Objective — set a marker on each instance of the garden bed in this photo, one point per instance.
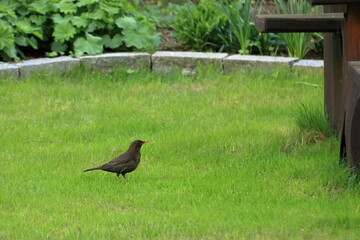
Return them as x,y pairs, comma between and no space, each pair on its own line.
89,28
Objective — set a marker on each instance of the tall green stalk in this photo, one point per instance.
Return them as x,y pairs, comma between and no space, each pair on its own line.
297,43
241,17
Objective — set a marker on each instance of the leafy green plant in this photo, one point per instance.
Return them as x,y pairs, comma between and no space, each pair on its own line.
22,26
298,44
241,16
136,34
223,26
160,16
267,44
90,26
195,25
72,26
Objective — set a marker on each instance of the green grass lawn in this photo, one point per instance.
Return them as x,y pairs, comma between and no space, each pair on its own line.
226,158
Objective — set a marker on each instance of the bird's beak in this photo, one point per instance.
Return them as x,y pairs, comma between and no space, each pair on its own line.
145,142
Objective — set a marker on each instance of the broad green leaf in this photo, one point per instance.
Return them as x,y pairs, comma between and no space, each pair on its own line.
38,32
79,21
97,14
127,7
136,34
108,8
40,6
9,10
63,32
126,23
90,45
22,12
11,52
156,40
141,19
33,42
95,25
52,54
57,18
27,28
85,2
132,39
114,42
66,6
21,41
24,26
58,47
143,29
85,15
37,19
6,37
9,4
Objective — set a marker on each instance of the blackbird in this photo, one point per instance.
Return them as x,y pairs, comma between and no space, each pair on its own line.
126,162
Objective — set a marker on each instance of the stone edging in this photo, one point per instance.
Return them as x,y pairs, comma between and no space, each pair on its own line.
159,61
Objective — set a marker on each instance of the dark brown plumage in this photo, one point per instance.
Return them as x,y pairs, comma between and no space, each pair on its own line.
126,162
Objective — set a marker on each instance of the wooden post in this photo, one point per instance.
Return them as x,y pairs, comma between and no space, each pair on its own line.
333,73
351,87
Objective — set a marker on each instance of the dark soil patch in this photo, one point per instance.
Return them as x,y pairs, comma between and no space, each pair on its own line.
169,42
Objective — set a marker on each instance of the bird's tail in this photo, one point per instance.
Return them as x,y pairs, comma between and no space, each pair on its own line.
91,169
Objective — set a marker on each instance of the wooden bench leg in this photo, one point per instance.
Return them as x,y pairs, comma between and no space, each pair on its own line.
352,117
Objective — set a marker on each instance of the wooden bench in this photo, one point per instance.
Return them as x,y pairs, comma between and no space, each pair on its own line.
340,23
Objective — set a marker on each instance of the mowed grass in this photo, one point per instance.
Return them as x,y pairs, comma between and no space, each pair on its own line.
225,158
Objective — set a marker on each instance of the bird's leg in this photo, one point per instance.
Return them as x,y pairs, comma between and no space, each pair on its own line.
123,174
117,174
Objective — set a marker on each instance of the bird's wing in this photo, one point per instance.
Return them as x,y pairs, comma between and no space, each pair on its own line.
119,163
122,159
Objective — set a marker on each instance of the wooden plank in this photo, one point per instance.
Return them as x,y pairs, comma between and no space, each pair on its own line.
327,2
327,22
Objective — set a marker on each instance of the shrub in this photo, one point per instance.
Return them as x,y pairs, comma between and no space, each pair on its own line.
241,16
197,25
160,16
72,26
22,27
205,27
223,26
267,44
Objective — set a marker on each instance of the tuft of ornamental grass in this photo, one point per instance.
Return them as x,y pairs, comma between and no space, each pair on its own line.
219,164
312,117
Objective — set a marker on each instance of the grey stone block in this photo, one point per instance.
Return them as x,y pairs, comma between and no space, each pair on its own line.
236,62
45,65
187,61
107,62
9,71
309,64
